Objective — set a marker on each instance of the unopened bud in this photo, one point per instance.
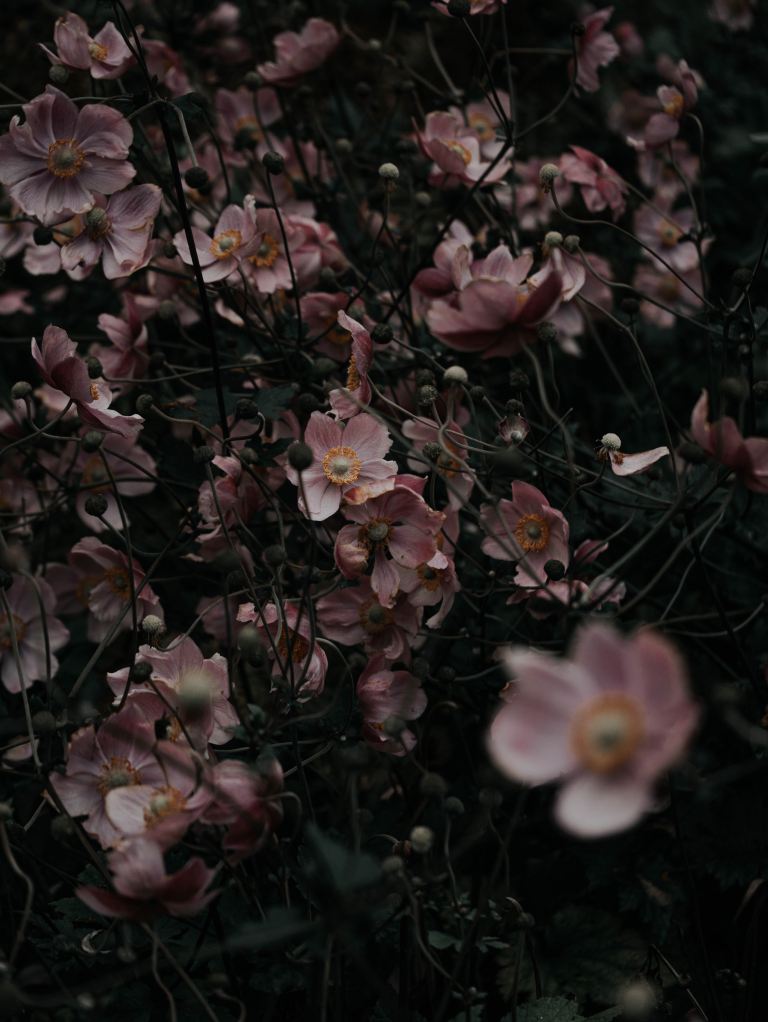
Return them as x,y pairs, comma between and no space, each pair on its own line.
547,176
422,839
96,505
20,390
389,172
456,374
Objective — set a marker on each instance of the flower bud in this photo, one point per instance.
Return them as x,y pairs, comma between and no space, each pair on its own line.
382,333
431,451
96,505
152,626
426,396
571,243
246,409
273,163
94,367
432,786
92,441
453,806
552,239
197,177
422,839
43,722
20,390
392,865
393,726
300,456
389,172
252,80
274,555
169,250
203,455
554,570
144,403
548,174
611,441
42,235
58,74
141,670
546,332
456,374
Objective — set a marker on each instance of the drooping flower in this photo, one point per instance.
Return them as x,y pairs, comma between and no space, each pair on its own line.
596,48
126,357
143,889
297,53
350,400
601,187
60,157
32,606
525,529
623,464
246,802
299,663
384,694
120,753
396,528
723,441
355,615
117,231
675,101
104,55
343,457
606,721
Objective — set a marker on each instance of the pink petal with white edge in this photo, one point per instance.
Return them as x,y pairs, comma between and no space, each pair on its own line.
591,806
632,464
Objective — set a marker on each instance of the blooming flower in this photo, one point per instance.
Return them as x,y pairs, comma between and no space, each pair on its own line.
722,440
396,528
63,370
525,529
57,160
667,232
104,55
596,48
658,285
246,802
600,185
450,464
232,241
242,116
97,577
382,694
118,231
297,658
125,358
675,100
348,401
297,53
606,721
29,623
120,753
456,150
143,889
355,615
343,457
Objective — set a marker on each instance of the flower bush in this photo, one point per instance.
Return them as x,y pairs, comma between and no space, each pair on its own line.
384,454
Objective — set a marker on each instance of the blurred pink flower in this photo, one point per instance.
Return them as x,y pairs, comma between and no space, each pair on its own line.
476,6
675,100
382,694
737,15
343,457
654,281
596,48
629,39
57,160
527,530
606,722
232,242
354,615
104,55
133,470
456,150
242,116
350,400
246,802
32,606
118,231
125,358
451,463
667,232
120,753
288,633
601,187
722,440
143,889
300,52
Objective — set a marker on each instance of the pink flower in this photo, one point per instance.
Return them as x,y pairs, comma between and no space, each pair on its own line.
247,803
126,357
195,687
143,889
737,15
162,810
623,464
527,530
343,457
606,721
629,40
117,231
27,625
356,395
167,65
600,185
299,53
442,278
657,173
57,160
319,310
382,694
495,315
451,464
98,578
654,281
668,233
133,470
397,528
675,100
267,264
427,584
297,658
596,48
104,55
723,441
232,241
354,615
242,116
456,151
119,754
63,370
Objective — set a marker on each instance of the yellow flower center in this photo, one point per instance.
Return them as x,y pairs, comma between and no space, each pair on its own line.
669,287
117,773
431,578
267,252
374,618
341,466
669,234
65,159
7,629
97,223
226,243
606,732
674,106
336,334
164,801
353,376
94,474
298,644
532,533
249,126
117,580
376,532
482,127
459,150
97,51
